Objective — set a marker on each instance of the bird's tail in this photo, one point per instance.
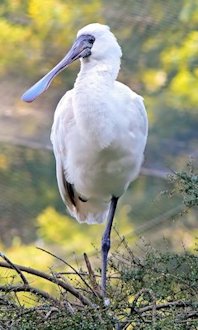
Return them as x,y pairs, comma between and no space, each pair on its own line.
90,211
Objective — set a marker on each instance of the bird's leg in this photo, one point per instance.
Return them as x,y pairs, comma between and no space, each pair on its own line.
106,243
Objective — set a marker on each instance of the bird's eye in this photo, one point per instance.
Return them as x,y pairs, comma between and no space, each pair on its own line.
91,40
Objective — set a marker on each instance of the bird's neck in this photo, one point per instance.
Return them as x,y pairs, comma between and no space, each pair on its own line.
92,102
105,67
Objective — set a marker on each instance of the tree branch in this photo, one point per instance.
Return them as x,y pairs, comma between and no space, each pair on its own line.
2,255
28,288
178,303
66,286
67,264
92,277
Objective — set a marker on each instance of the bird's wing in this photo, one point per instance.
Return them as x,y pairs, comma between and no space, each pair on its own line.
135,111
138,109
63,120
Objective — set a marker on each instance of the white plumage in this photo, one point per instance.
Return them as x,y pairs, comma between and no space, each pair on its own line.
99,131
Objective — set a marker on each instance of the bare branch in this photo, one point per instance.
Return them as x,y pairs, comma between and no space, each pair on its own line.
66,286
92,277
2,255
67,264
50,312
178,303
28,288
183,317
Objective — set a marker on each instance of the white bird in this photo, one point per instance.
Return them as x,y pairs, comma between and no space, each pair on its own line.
99,132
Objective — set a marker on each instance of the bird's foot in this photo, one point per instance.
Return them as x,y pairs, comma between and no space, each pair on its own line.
106,301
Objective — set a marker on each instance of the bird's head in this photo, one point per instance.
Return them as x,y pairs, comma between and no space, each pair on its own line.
95,42
104,44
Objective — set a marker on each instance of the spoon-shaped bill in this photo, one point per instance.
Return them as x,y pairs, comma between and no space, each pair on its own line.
80,48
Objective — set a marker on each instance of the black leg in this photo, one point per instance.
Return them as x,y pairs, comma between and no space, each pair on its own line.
106,243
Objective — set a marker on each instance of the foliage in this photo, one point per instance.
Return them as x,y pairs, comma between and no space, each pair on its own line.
154,292
186,184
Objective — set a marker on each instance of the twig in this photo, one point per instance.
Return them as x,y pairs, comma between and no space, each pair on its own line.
178,303
185,316
92,277
28,288
4,301
67,264
17,299
66,286
86,274
192,288
137,296
136,260
50,312
2,255
153,306
42,308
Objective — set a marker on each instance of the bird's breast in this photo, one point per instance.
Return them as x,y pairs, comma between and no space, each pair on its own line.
94,110
104,154
105,172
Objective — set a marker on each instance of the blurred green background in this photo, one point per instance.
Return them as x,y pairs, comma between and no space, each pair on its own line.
159,40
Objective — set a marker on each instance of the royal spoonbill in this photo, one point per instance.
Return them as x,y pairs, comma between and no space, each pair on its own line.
99,132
